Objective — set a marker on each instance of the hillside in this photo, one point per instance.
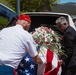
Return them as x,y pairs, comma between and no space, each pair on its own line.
69,8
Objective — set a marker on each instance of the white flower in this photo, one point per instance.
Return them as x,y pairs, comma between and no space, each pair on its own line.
47,38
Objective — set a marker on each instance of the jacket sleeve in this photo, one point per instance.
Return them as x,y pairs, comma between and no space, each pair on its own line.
69,43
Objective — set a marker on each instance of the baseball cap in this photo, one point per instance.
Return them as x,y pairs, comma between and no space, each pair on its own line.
24,17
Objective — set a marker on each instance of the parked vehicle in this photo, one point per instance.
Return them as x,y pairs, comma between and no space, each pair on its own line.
47,19
74,20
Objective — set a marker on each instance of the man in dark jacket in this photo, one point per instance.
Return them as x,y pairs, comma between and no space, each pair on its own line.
69,43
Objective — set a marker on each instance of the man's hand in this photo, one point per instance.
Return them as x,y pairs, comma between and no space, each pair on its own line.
60,61
37,60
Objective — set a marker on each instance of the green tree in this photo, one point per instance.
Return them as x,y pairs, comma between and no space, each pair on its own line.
3,22
34,5
7,4
27,6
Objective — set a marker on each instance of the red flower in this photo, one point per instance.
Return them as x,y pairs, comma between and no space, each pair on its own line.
62,37
53,37
47,42
40,43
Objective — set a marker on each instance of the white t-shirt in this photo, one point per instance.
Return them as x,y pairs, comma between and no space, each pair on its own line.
14,43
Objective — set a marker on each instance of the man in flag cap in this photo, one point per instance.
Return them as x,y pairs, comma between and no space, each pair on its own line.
15,42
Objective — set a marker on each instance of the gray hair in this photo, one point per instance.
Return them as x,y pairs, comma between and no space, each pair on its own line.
61,20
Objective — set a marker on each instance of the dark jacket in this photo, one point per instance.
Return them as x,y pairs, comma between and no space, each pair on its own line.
69,42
